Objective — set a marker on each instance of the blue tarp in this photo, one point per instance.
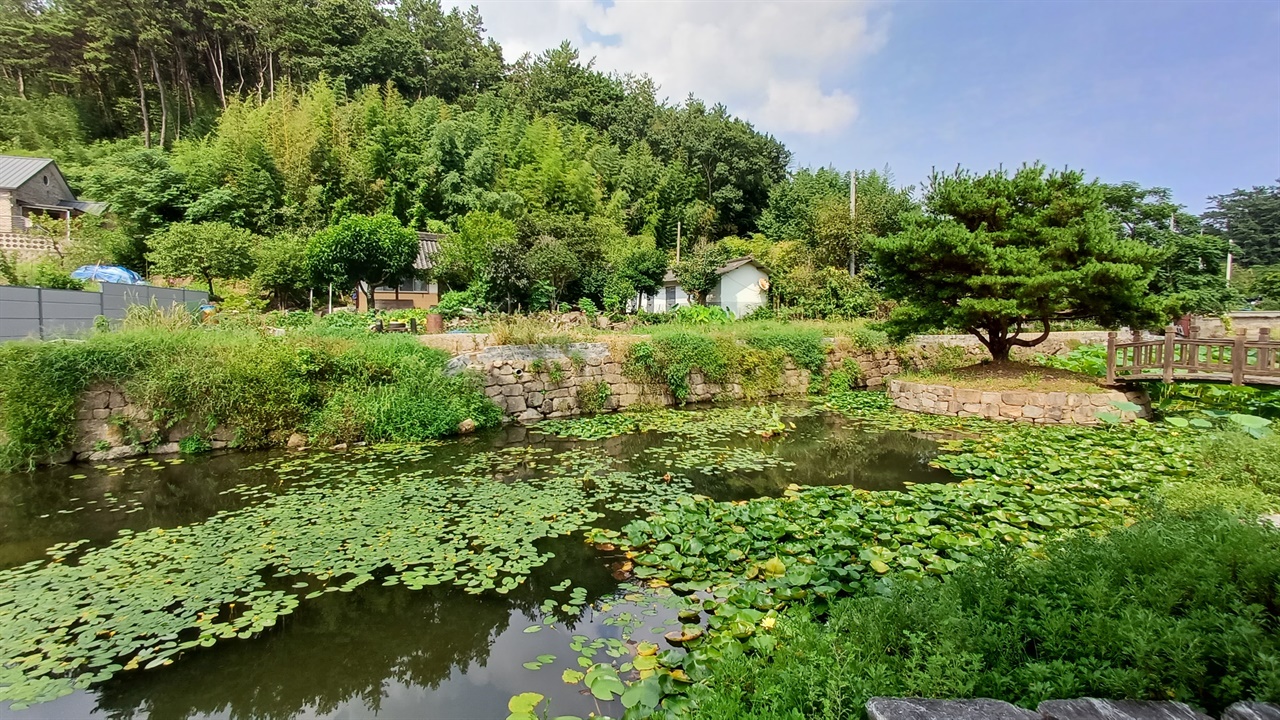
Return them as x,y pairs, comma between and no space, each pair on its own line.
108,273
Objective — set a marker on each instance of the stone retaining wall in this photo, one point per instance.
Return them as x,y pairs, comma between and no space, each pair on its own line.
1055,408
110,426
535,382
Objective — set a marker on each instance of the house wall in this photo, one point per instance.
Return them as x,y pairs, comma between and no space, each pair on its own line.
663,302
739,291
35,192
386,300
6,211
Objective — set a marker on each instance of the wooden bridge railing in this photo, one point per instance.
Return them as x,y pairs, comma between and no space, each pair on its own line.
1238,359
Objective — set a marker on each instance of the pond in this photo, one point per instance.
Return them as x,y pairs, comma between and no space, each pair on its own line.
423,581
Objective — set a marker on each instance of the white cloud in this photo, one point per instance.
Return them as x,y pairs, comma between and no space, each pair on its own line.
776,63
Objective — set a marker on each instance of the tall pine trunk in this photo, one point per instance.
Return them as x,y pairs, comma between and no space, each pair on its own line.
164,103
142,100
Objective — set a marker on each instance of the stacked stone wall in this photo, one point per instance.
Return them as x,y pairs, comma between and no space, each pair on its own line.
110,426
533,382
1051,408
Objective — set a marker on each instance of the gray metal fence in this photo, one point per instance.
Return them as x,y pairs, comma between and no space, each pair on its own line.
43,313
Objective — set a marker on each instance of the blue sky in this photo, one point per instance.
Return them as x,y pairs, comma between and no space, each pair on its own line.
1184,95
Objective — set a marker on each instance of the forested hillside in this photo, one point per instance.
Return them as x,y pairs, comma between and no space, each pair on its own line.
553,180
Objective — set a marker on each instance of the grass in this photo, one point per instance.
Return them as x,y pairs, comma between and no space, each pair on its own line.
1174,608
340,385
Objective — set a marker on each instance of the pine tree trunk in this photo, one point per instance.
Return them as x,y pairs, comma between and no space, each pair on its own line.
164,103
22,86
218,69
142,100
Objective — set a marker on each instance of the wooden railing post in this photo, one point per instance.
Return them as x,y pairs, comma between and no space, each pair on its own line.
1167,360
1193,334
1111,356
1238,353
1266,353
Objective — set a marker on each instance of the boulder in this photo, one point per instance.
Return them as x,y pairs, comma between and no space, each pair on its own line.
466,426
918,709
1252,711
296,441
1094,709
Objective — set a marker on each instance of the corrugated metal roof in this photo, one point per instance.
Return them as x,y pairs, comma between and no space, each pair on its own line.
16,170
428,245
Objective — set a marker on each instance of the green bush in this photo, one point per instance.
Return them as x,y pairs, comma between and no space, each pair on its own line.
671,355
1189,397
262,387
593,396
701,315
804,345
1172,608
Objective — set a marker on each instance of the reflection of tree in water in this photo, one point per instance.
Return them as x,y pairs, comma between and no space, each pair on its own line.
345,647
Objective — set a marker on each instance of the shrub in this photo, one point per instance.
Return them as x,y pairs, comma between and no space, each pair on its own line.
846,377
1171,608
671,355
593,396
454,303
588,307
804,345
701,315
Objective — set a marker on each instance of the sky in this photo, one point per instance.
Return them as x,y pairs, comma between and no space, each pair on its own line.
1184,95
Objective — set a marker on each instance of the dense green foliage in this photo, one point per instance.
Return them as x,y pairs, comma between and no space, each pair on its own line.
1169,609
1190,273
998,254
1250,221
263,388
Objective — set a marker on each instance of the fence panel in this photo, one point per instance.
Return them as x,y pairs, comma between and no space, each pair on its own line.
44,313
19,312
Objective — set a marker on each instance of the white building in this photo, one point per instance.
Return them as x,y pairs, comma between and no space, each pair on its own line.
743,287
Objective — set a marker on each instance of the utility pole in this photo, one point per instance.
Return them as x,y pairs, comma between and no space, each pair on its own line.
1229,258
853,203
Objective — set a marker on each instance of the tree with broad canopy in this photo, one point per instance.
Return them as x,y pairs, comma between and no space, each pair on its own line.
998,255
363,250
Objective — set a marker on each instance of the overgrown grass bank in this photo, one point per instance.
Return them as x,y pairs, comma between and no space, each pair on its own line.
753,355
337,386
1173,608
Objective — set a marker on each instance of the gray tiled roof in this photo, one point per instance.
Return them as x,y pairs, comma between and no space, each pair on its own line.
428,245
16,170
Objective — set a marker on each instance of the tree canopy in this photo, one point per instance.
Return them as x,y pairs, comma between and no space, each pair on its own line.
363,251
1250,219
1000,254
203,250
